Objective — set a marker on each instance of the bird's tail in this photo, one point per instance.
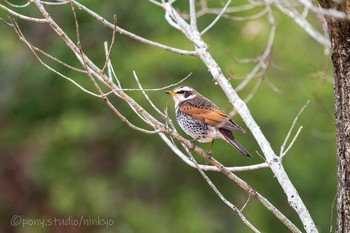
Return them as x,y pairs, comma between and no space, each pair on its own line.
228,136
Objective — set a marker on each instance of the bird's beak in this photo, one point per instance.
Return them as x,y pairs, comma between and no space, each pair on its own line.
170,93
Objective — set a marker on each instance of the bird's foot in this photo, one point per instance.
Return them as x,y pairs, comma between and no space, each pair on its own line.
193,142
208,158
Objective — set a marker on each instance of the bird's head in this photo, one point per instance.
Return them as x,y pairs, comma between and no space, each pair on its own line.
182,93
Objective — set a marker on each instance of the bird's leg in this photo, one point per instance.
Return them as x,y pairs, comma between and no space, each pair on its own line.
193,141
210,153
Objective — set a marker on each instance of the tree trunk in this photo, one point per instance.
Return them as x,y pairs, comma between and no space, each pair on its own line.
339,32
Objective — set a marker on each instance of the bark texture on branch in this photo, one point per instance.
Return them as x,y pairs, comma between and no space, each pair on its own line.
339,33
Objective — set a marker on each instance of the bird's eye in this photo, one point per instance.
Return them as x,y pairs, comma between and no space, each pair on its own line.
180,92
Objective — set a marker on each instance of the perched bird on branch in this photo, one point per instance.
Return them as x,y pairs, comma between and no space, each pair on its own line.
203,120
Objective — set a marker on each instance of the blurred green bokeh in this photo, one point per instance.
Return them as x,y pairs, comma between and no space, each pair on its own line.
66,155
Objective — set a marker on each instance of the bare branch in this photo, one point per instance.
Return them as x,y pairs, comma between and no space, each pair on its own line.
33,49
193,17
333,13
184,158
304,24
18,6
256,195
131,35
264,59
55,59
104,97
24,17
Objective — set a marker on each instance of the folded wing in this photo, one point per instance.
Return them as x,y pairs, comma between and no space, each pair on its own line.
214,117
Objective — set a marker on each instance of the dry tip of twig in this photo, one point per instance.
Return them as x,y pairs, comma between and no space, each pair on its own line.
284,151
246,203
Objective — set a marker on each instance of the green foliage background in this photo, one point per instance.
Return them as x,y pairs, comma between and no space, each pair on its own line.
64,153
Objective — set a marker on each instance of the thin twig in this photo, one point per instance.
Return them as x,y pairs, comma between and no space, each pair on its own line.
184,158
104,97
147,97
57,60
24,17
108,55
234,9
57,3
18,6
246,203
304,24
264,59
108,62
131,35
332,13
159,88
30,46
253,91
193,17
221,196
292,142
332,213
216,18
112,73
283,151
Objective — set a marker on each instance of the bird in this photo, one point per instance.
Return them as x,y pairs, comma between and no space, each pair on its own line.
201,119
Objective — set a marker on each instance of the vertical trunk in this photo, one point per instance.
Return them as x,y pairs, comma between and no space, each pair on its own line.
341,62
339,32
